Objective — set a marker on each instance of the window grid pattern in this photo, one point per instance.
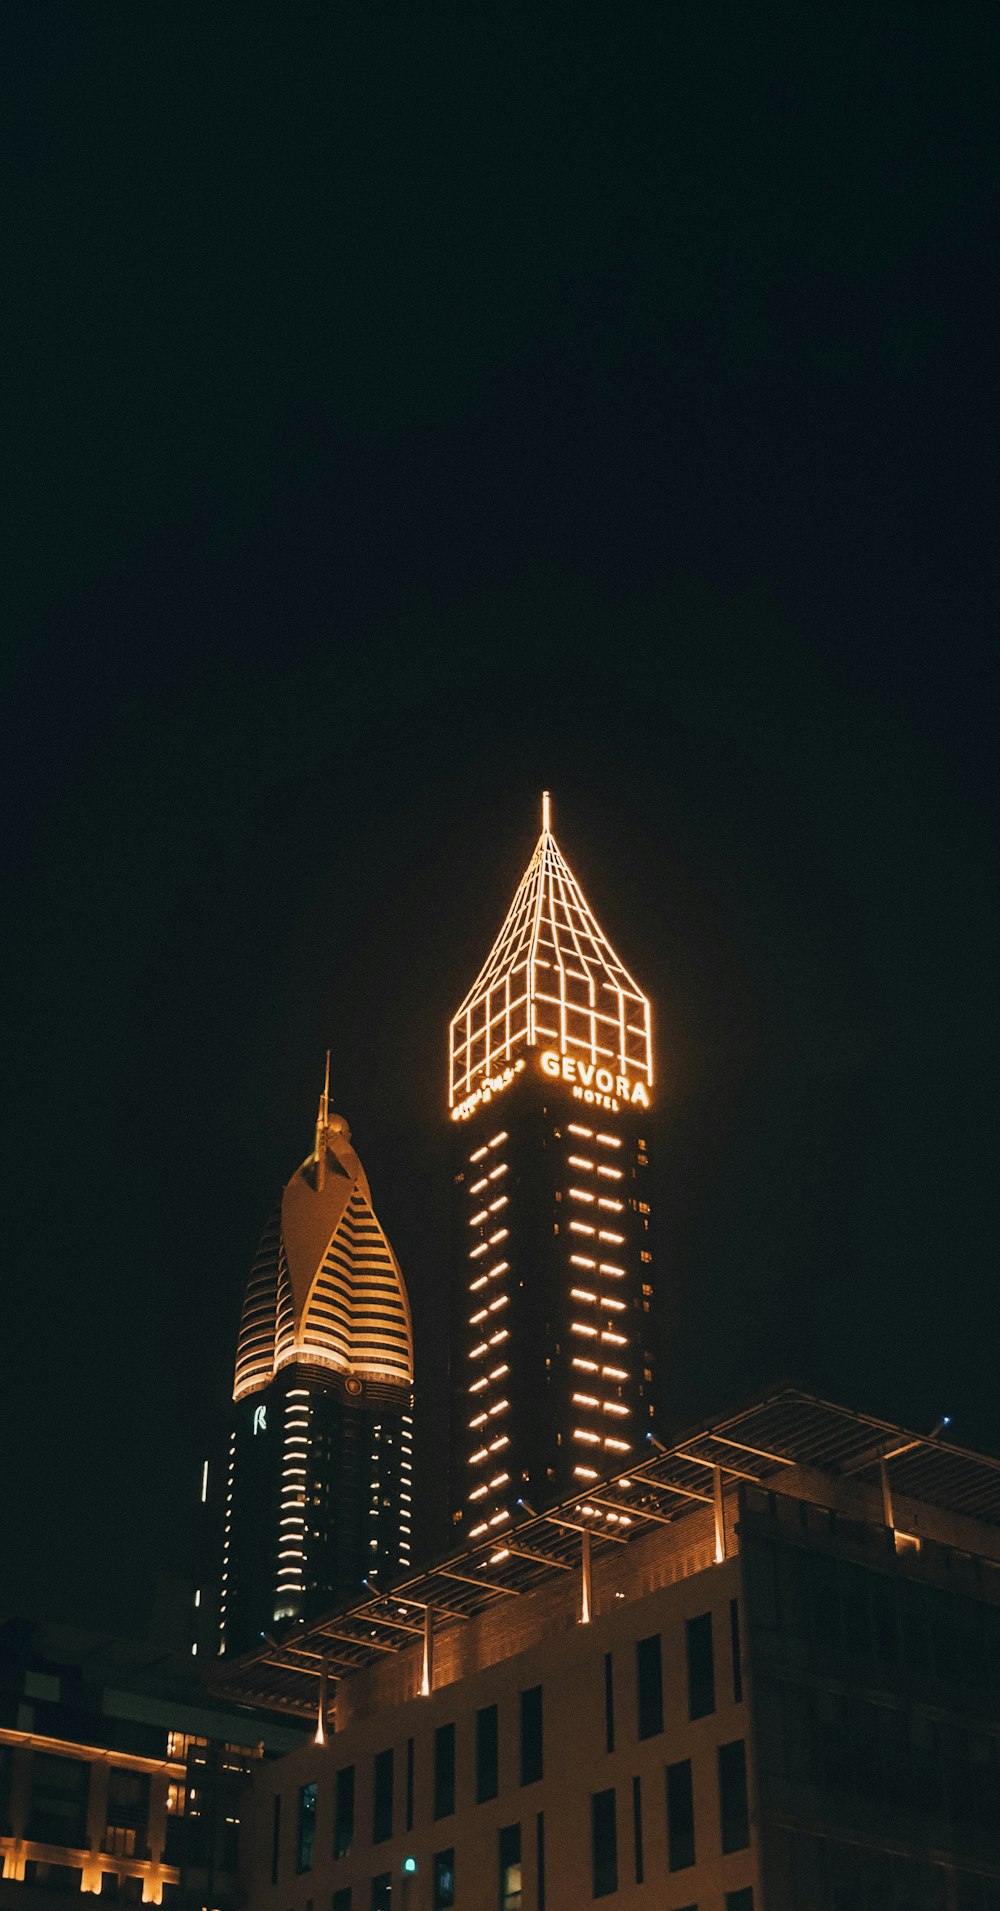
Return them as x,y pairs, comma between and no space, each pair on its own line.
551,977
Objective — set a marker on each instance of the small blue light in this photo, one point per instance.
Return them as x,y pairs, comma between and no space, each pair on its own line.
409,1864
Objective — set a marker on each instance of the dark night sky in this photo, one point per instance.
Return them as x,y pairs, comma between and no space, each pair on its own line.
406,412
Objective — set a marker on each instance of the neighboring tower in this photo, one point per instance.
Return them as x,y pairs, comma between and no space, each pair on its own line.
550,1083
320,1460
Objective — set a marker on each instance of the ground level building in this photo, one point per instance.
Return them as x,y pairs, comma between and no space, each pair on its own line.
762,1669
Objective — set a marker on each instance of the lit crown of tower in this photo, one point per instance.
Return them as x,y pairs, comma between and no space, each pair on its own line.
551,979
325,1287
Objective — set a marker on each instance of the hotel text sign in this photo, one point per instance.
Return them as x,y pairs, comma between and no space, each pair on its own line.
593,1084
598,1086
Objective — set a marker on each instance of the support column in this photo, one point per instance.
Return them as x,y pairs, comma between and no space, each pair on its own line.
324,1676
720,1515
427,1669
883,1474
586,1586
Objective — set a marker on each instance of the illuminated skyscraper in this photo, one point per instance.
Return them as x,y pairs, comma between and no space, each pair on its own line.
320,1460
550,1085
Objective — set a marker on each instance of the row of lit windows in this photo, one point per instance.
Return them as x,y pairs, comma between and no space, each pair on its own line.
603,1234
481,1153
590,1167
602,1200
587,1134
491,1274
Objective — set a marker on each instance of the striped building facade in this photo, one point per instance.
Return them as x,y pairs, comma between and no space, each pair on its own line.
319,1489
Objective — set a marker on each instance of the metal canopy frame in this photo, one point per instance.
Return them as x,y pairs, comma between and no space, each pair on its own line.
756,1442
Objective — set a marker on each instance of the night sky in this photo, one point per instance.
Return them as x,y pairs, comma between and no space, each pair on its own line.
406,412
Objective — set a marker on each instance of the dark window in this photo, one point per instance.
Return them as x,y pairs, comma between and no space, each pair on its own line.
609,1703
680,1816
230,1844
444,1880
341,1900
733,1796
486,1753
531,1735
343,1812
5,1766
307,1827
382,1892
700,1668
649,1681
444,1771
109,1884
734,1634
510,1868
540,1861
58,1800
382,1805
637,1827
128,1810
409,1784
604,1837
740,1900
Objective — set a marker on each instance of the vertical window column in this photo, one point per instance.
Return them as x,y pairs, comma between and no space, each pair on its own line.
604,1843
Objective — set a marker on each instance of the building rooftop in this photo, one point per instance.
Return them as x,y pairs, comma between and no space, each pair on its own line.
772,1435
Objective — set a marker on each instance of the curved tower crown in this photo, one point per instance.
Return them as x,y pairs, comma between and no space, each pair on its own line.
325,1287
553,980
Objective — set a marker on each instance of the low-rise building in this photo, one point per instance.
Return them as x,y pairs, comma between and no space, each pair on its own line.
761,1669
119,1775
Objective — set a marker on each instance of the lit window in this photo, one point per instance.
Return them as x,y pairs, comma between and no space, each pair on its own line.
610,1141
476,1220
478,1493
581,1227
610,1267
585,1400
614,1373
614,1207
615,1406
478,1385
616,1446
481,1249
477,1156
499,1406
497,1446
497,1373
584,1473
580,1161
498,1519
475,1352
502,1301
581,1260
500,1235
590,1439
474,1286
499,1479
476,1318
479,1420
610,1174
581,1294
495,1173
500,1202
476,1459
577,1327
474,1531
582,1194
585,1366
574,1129
617,1307
497,1339
497,1139
605,1234
615,1340
478,1186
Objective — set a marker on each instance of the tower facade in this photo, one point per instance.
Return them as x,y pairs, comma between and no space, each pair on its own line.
320,1459
550,1089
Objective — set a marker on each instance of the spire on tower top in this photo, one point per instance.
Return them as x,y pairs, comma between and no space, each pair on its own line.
326,1088
546,811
